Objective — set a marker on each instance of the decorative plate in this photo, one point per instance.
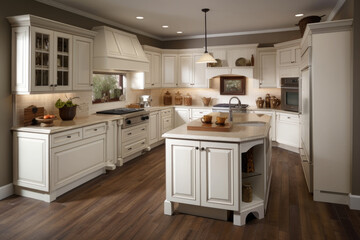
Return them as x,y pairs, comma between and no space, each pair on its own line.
240,62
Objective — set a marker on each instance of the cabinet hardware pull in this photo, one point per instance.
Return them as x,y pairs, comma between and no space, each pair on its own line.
51,85
55,85
129,149
68,136
143,143
202,149
129,133
95,129
143,129
197,148
91,84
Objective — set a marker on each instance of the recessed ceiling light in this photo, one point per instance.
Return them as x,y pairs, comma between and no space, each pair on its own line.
179,32
299,15
165,26
140,17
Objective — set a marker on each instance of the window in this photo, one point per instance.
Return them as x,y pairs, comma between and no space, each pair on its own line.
108,87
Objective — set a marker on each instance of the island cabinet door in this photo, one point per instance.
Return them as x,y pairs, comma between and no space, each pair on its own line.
183,171
220,175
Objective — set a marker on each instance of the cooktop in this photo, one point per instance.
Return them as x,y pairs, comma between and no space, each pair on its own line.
121,111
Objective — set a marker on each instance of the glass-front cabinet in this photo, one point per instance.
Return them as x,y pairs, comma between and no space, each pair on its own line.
52,64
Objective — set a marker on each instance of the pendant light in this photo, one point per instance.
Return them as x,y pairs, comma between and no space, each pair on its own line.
206,58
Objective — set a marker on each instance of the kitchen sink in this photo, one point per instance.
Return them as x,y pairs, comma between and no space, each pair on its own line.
256,124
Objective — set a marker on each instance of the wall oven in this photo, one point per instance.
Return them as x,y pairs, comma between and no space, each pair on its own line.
290,94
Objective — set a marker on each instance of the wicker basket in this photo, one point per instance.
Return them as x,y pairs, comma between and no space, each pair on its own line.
310,19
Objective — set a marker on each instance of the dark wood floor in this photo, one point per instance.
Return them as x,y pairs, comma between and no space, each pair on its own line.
128,204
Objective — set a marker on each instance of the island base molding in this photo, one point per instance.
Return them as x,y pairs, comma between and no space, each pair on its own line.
354,202
49,197
6,191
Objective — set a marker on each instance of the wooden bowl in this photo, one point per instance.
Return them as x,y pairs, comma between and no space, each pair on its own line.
45,122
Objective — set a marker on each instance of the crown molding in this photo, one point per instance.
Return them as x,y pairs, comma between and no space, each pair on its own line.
335,10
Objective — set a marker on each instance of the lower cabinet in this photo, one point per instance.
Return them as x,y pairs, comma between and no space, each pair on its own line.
182,116
272,123
48,165
214,184
154,127
166,122
288,129
134,140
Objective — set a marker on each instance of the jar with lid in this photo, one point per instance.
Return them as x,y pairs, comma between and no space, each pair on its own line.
188,100
167,98
267,100
246,192
178,99
260,102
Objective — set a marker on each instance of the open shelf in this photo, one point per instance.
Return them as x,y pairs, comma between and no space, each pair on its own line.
255,203
248,175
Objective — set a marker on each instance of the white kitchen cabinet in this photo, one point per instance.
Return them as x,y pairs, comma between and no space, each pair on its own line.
288,129
46,56
166,116
169,70
48,165
83,62
134,140
153,77
266,67
200,80
182,116
202,173
288,60
186,71
199,112
154,127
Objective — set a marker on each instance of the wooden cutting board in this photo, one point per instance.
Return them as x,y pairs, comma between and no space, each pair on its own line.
199,126
32,112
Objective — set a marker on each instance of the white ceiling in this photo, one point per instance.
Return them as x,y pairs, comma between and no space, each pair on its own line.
224,17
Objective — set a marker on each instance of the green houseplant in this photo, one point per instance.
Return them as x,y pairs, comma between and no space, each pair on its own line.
67,109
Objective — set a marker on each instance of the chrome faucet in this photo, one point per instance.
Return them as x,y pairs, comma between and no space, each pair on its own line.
230,109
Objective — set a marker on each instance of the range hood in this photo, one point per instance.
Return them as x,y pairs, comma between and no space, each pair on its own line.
118,51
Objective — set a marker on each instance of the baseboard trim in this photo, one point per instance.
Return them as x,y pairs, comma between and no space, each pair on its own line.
331,197
286,147
6,191
354,202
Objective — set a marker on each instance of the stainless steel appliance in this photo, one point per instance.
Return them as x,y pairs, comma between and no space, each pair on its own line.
224,107
290,94
134,116
145,101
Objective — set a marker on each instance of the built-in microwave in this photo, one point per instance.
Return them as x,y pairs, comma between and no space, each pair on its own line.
290,94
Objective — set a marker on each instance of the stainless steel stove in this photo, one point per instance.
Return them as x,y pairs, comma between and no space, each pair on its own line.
133,116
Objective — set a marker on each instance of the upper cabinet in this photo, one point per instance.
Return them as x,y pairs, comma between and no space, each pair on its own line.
192,74
266,67
169,70
46,56
153,77
288,59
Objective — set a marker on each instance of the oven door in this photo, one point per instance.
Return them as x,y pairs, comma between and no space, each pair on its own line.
290,99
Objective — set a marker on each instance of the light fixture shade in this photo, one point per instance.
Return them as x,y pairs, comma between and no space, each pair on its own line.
206,58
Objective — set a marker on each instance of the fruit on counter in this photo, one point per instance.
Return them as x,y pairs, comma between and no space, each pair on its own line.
49,116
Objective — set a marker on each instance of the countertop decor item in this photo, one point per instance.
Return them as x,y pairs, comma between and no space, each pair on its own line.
188,100
206,58
178,98
46,122
260,102
31,113
274,102
67,110
240,62
232,85
167,98
246,192
206,101
267,100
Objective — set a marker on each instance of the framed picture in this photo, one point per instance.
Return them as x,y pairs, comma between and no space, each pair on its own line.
232,85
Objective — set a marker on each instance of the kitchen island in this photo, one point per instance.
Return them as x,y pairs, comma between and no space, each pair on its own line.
208,169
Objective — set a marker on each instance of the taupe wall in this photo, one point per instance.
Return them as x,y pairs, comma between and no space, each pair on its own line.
264,40
356,107
346,11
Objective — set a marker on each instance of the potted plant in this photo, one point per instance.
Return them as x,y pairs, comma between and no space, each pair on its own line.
67,110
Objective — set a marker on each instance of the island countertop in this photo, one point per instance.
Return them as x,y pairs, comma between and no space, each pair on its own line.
245,127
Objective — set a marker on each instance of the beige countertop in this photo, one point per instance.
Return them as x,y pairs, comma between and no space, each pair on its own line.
245,127
60,125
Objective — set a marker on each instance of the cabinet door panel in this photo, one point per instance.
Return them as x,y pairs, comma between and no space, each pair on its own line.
156,70
154,127
183,171
182,116
268,70
219,169
63,61
185,70
200,80
148,78
82,71
169,70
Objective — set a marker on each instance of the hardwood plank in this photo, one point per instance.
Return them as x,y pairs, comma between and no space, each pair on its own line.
127,203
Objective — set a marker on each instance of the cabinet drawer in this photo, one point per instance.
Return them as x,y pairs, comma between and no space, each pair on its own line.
289,72
198,113
166,112
166,124
134,132
288,118
62,138
94,130
133,147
